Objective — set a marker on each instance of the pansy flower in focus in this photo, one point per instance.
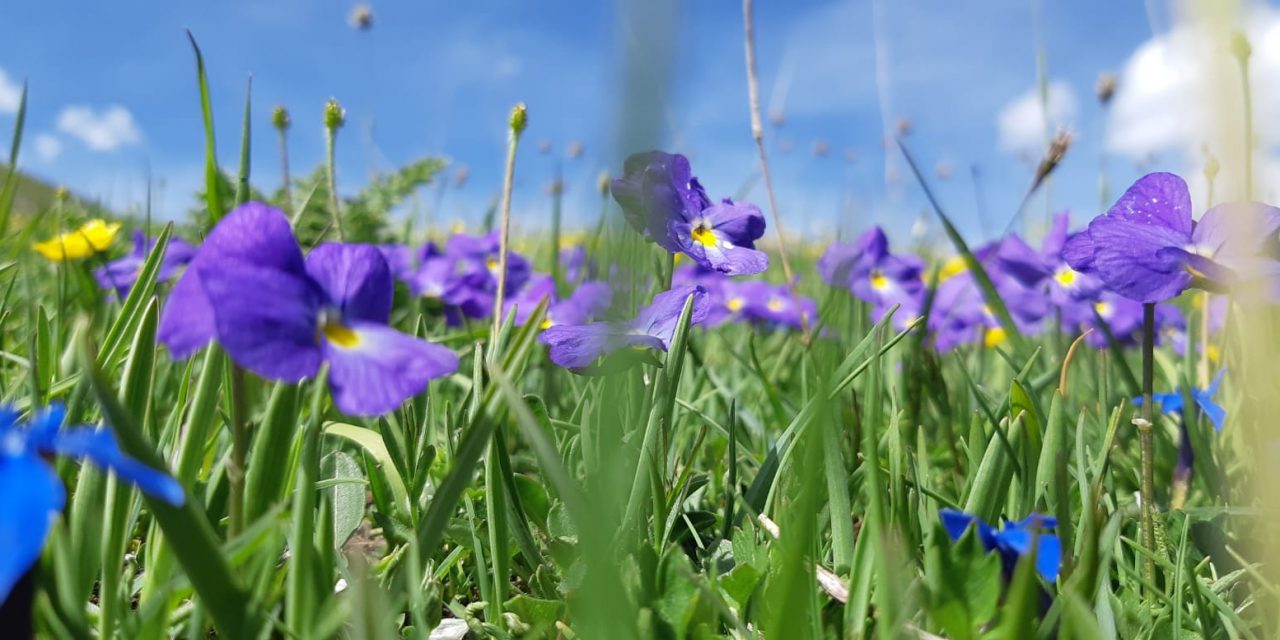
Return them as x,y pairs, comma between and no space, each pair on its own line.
120,274
92,237
577,347
661,199
1014,541
31,493
1148,248
281,316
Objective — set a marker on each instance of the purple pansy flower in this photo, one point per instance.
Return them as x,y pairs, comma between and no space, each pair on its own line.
869,270
120,274
661,199
576,347
587,301
772,304
31,493
1147,247
281,316
1047,267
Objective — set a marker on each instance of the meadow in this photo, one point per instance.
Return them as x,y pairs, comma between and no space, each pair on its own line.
298,415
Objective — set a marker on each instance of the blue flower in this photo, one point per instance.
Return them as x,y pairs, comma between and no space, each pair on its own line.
1172,402
1014,541
32,495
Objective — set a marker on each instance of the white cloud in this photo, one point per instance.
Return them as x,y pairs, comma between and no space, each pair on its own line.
1024,122
10,94
1181,89
47,147
100,131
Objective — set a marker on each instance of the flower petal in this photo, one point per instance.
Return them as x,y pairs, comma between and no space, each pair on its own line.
99,447
186,321
31,495
575,347
383,368
267,319
1156,200
356,278
740,223
1127,257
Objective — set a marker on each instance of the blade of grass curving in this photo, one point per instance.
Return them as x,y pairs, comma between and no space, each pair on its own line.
242,181
371,442
188,531
980,275
212,179
140,294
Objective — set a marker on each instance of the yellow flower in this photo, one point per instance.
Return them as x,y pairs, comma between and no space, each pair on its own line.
92,237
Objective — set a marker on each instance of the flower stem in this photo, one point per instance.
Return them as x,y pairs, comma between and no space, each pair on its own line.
1146,442
1241,49
757,133
239,451
329,137
519,118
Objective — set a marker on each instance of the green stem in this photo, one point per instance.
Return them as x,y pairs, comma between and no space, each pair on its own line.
557,194
513,142
330,136
1146,442
285,182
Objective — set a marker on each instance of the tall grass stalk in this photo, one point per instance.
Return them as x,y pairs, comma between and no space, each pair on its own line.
515,126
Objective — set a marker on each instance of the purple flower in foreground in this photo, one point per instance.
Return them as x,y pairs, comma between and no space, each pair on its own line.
577,347
1147,248
31,493
121,273
281,316
661,199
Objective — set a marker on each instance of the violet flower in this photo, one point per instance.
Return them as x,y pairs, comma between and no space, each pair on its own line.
31,493
576,347
661,199
281,316
121,273
869,270
1147,247
1047,267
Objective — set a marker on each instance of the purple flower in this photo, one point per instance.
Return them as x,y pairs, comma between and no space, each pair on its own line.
661,199
281,316
586,302
1047,267
576,347
31,493
576,264
1147,248
400,259
771,304
868,269
120,274
657,187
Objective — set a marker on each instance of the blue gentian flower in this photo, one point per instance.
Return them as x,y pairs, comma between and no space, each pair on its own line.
280,315
31,493
1172,402
576,347
1014,541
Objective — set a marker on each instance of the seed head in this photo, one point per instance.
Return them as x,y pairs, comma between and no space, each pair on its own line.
519,118
1106,88
280,118
334,115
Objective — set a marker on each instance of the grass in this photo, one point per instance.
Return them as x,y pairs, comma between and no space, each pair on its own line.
694,497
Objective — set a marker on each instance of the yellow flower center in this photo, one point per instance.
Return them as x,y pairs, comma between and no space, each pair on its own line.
546,324
1104,309
1066,276
492,264
878,281
775,305
704,235
1214,353
951,268
995,336
94,236
340,334
734,304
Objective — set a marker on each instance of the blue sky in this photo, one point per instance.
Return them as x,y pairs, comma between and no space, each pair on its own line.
113,94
